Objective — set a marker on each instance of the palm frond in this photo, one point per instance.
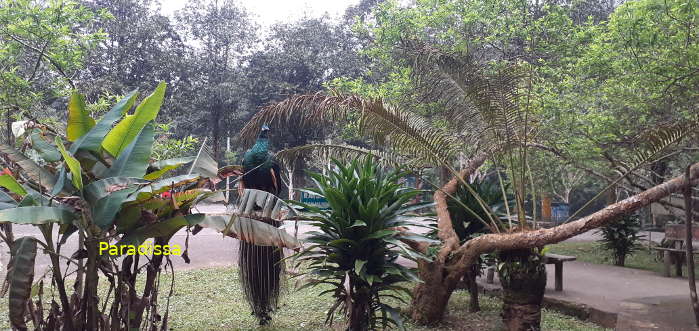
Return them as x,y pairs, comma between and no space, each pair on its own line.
653,142
309,109
204,164
474,97
341,152
403,132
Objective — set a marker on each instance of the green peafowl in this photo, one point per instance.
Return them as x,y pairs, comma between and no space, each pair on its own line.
261,266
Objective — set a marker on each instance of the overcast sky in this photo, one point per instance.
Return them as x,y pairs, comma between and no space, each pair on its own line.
267,12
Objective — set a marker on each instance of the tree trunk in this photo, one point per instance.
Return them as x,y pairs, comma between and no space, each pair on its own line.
90,300
620,260
430,297
359,307
689,210
523,279
470,278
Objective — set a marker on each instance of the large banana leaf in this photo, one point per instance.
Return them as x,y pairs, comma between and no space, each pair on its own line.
92,140
72,163
263,204
104,187
33,170
133,161
105,209
128,128
166,228
47,151
12,185
262,234
257,205
163,185
216,222
20,277
36,215
79,120
204,165
250,230
166,165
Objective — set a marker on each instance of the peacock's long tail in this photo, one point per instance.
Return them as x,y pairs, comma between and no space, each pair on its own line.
261,277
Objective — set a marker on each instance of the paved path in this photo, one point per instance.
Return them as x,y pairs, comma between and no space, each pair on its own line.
625,298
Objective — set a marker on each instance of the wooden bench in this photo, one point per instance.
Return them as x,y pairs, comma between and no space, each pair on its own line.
676,235
555,259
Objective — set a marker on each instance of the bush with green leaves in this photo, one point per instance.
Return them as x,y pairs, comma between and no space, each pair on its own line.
621,238
101,187
360,238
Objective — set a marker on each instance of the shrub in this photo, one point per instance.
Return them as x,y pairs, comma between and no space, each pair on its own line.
359,241
621,238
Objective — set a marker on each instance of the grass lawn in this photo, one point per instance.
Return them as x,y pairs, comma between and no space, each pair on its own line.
211,299
592,252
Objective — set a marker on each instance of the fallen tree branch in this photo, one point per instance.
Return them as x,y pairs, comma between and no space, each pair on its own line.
472,249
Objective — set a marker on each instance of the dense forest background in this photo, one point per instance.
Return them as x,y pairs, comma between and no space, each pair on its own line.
607,72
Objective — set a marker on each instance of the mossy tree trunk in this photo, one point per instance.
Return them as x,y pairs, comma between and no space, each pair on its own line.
453,260
523,279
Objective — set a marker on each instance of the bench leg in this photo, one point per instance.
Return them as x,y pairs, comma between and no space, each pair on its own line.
559,276
667,262
489,274
678,264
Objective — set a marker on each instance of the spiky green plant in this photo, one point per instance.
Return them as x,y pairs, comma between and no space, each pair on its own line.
621,238
359,241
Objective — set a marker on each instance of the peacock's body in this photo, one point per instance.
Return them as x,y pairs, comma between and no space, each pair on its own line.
260,266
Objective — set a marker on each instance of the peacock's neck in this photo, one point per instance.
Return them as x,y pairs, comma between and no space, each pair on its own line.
262,144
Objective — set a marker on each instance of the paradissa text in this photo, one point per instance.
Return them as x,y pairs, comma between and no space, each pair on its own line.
143,249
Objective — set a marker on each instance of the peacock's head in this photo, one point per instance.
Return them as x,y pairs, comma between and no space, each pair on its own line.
264,130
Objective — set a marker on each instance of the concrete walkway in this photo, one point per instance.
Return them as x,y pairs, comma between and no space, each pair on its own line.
618,297
605,291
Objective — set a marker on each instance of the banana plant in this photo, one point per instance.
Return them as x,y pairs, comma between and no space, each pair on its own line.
98,185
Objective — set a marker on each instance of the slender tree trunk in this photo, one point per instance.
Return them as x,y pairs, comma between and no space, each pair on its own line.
216,128
523,279
470,278
620,260
149,289
9,137
689,210
90,300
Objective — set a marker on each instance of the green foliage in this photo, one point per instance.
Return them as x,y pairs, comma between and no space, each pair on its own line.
621,238
356,248
114,196
41,49
467,216
167,146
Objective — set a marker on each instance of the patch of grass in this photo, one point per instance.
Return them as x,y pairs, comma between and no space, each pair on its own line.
211,299
593,252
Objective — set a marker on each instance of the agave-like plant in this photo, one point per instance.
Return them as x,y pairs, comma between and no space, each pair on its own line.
360,237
